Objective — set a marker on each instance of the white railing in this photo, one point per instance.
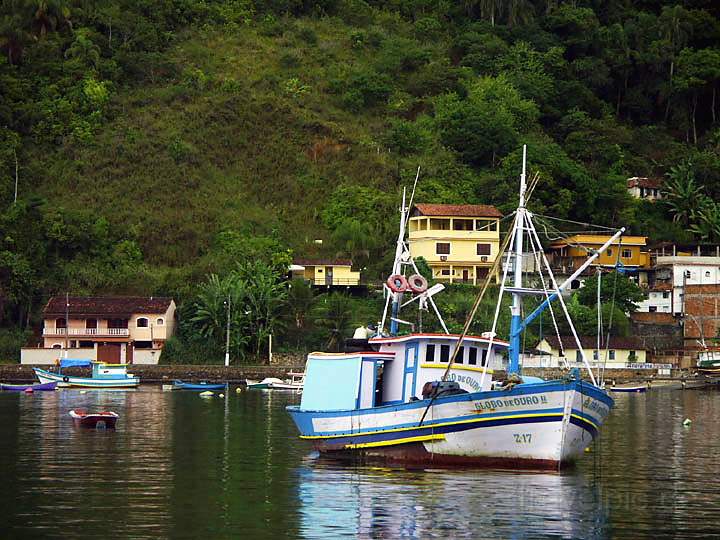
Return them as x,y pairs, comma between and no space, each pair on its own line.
86,332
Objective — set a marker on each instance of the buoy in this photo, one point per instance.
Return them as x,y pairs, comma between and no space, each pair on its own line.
587,449
207,393
28,390
221,395
83,391
687,422
238,390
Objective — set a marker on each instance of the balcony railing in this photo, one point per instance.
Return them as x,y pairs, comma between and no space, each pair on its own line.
122,332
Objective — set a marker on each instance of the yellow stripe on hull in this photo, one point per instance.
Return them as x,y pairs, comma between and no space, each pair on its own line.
421,438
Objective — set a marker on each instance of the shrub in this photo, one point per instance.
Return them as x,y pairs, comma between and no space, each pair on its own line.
11,341
307,35
289,60
406,137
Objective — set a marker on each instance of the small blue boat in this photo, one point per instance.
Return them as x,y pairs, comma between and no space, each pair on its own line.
201,386
24,387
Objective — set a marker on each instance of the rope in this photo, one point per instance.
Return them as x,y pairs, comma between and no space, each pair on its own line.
612,310
471,315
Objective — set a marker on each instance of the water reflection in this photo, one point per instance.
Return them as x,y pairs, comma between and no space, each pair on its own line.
388,503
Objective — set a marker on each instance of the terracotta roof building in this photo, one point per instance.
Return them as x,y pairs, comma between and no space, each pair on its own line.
645,188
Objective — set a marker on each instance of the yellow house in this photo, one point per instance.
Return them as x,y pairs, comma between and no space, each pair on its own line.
620,353
570,253
459,242
326,272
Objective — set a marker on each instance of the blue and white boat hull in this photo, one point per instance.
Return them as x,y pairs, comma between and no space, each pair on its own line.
85,382
540,425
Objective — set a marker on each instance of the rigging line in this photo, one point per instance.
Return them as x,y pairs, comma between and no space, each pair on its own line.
469,319
602,227
547,297
612,307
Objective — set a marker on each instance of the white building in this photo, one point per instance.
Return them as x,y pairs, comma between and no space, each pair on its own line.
644,188
672,274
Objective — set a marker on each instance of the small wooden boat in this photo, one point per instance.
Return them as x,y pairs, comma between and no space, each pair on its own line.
105,419
201,386
633,388
25,387
295,382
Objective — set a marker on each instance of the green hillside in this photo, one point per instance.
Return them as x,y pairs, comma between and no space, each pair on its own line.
155,142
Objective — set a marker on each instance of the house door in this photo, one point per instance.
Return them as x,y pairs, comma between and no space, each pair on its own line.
109,353
328,275
410,370
466,276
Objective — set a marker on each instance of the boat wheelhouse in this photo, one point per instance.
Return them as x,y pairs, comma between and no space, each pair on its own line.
103,375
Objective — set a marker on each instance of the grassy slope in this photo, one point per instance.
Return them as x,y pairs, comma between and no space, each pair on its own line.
180,164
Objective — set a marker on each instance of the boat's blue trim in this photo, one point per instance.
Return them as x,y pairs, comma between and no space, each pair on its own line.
520,390
584,424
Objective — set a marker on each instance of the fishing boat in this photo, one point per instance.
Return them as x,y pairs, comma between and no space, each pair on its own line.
295,381
105,419
103,375
708,361
635,388
28,387
430,399
201,386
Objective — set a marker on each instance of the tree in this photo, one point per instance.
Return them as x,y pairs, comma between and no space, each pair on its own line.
84,50
333,313
706,220
354,238
616,288
681,192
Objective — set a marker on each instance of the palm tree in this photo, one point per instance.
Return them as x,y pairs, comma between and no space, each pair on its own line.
681,192
84,49
13,37
707,221
334,314
48,15
354,239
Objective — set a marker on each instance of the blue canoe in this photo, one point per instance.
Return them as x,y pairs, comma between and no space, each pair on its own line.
180,385
33,387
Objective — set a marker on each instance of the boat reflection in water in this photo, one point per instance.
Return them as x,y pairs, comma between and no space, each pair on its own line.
339,502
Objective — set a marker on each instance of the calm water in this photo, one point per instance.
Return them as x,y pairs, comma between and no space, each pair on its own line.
180,466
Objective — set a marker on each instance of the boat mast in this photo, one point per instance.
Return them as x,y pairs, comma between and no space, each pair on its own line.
397,268
516,309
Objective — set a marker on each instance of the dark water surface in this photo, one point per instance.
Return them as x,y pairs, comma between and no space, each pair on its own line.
179,466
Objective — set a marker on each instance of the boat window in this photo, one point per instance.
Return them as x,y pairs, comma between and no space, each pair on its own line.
429,353
442,248
460,358
142,322
60,323
483,360
160,322
444,353
472,356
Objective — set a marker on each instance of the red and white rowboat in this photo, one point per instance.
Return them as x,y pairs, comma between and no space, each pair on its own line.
105,419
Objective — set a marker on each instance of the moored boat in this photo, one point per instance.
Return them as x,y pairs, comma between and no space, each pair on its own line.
629,388
708,361
25,387
430,399
103,375
199,386
105,419
295,381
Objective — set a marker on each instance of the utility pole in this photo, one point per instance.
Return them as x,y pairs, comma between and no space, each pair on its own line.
227,334
16,174
67,321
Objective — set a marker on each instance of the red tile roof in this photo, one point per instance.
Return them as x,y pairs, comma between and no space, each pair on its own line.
323,262
637,181
118,306
590,342
457,210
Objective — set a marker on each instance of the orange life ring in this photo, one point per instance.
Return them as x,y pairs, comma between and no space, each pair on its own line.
397,283
417,283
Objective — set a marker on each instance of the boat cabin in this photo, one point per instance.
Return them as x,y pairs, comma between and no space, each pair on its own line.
397,372
100,370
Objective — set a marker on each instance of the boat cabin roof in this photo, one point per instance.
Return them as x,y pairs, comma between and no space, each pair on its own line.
435,337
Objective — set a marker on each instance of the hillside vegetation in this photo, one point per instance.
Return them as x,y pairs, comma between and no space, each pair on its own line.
155,142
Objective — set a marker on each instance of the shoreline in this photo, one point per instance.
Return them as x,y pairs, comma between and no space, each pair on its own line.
17,373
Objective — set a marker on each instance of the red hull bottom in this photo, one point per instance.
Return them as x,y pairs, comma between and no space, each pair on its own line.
414,455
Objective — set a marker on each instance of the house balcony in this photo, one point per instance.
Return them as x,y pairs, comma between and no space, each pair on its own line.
86,332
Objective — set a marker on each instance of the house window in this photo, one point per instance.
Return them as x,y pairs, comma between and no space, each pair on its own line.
578,356
596,355
707,274
143,344
160,322
612,355
609,252
440,224
626,253
445,272
444,353
442,248
86,344
472,356
319,270
60,323
688,275
652,309
483,249
142,322
429,353
460,357
666,294
117,323
90,324
462,224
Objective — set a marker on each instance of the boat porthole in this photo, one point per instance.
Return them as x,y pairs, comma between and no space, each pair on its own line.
66,379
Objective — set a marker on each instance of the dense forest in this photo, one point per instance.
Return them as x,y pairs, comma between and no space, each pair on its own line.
190,148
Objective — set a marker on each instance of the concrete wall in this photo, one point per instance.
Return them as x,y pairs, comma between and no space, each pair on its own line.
146,356
45,357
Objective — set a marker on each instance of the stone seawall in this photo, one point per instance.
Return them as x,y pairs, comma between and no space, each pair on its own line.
236,374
